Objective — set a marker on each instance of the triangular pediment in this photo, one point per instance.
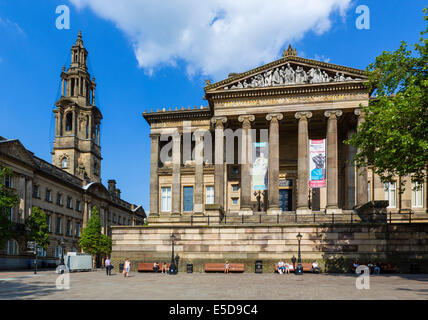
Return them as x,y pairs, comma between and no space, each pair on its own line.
290,70
15,149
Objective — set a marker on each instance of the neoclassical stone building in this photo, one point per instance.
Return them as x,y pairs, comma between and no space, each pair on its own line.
70,186
261,123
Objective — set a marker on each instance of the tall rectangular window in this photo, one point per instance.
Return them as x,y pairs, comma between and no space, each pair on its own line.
188,199
368,191
68,228
8,182
209,195
417,195
58,226
48,221
390,194
166,199
77,229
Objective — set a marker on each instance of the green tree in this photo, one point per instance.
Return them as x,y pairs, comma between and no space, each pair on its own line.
92,241
8,200
394,136
38,227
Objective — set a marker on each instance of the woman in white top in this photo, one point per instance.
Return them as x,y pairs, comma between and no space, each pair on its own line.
127,267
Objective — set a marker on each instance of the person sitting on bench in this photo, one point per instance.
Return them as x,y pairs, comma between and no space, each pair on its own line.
281,267
155,267
290,268
315,267
164,268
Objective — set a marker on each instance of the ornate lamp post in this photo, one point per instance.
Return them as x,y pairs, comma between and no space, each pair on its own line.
172,267
299,268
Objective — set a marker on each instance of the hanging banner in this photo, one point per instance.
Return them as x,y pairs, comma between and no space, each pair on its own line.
317,162
260,166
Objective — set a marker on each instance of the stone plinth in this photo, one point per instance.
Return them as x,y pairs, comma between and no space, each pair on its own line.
334,246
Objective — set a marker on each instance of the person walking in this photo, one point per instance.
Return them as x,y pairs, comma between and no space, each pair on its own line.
107,263
126,268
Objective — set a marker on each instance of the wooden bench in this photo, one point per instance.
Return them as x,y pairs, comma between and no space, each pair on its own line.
216,267
387,268
148,266
307,267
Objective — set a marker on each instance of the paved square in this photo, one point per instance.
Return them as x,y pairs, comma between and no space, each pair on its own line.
149,286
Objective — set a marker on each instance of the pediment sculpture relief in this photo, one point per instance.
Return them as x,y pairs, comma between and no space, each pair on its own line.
287,75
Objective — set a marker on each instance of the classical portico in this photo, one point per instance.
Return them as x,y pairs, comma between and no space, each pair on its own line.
275,110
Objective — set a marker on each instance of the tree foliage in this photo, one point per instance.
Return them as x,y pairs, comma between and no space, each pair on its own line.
92,241
38,227
8,199
394,135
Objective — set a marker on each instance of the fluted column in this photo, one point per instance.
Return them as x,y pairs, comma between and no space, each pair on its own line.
176,168
303,162
199,172
273,165
219,160
29,197
332,162
154,178
361,180
246,155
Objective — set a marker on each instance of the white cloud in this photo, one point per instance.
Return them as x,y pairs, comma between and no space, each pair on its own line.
214,37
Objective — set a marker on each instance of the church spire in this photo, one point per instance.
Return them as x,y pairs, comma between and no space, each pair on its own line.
79,54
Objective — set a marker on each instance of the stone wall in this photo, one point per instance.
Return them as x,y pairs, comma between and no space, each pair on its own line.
335,247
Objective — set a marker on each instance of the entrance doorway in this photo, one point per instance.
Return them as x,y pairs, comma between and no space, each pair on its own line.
285,199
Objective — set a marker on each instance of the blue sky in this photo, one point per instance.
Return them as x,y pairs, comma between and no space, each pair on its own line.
139,64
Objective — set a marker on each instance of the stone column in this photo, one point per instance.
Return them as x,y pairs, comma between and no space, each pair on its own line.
176,168
62,86
332,162
273,164
154,178
22,197
246,155
199,172
303,162
219,160
29,197
361,180
86,209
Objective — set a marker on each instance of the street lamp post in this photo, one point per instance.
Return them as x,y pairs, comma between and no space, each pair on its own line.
172,267
299,268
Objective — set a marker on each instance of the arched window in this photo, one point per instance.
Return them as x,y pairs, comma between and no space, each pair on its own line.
12,247
64,163
87,127
69,121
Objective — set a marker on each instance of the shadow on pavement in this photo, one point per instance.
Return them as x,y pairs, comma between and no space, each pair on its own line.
17,289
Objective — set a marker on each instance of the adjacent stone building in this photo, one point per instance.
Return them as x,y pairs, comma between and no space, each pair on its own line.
67,189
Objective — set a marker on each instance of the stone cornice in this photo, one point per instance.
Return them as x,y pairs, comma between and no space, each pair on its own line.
191,114
356,85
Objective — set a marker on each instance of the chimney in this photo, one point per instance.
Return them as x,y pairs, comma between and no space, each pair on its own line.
111,186
118,193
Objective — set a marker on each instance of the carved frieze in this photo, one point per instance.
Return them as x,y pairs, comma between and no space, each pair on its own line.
289,75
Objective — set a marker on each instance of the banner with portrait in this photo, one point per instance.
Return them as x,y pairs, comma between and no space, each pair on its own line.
259,175
317,160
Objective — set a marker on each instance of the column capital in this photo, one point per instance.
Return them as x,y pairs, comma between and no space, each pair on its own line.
303,114
359,112
154,135
335,113
218,120
246,117
277,116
